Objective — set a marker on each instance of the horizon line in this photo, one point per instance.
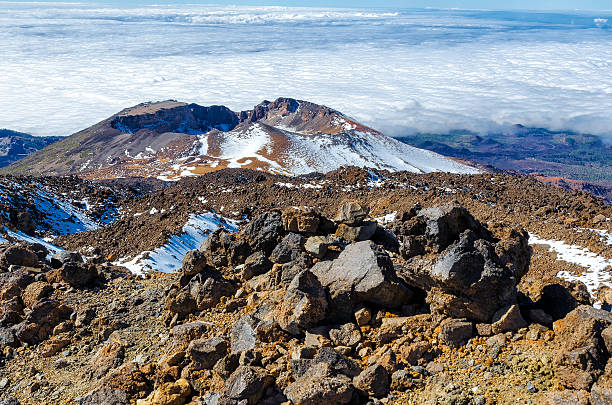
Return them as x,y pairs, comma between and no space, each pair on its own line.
144,4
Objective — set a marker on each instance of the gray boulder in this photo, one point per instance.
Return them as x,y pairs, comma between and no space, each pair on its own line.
246,385
264,232
444,224
363,273
468,280
337,362
255,265
204,353
243,334
289,249
61,258
319,385
304,304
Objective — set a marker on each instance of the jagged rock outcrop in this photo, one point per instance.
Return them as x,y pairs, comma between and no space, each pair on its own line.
472,275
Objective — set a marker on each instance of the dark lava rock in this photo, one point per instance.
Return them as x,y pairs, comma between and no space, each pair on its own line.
363,273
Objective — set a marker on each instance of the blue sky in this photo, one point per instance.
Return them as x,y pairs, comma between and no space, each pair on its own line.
469,4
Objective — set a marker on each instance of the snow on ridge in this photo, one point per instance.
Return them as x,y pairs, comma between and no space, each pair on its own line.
168,258
20,236
63,217
598,269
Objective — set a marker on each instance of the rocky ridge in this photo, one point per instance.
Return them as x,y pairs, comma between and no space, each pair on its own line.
17,145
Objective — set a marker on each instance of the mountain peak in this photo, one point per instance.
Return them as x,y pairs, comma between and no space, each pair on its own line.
171,139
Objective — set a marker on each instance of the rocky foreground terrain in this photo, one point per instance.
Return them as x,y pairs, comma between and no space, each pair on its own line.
354,287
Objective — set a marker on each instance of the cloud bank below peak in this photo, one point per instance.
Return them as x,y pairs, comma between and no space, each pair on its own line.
68,66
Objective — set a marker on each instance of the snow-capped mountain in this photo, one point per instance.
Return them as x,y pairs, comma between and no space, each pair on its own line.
170,140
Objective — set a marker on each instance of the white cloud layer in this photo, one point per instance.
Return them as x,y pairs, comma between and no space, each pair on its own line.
65,67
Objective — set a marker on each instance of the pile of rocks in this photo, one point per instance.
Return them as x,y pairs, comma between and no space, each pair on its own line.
29,313
320,311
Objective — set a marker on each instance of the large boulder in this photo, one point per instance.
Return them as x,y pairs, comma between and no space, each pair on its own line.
35,292
62,257
362,273
40,321
194,262
301,221
207,289
78,275
320,385
203,291
304,304
468,279
223,249
444,224
288,250
204,353
581,352
374,381
19,256
264,232
246,385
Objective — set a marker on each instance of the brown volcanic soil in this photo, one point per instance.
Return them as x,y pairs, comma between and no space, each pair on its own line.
547,211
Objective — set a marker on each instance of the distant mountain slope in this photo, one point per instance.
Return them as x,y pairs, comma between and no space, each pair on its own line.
569,159
170,140
17,145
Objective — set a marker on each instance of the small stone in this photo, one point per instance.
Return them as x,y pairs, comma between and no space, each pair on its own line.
347,335
484,329
455,333
508,319
363,316
374,380
530,388
316,246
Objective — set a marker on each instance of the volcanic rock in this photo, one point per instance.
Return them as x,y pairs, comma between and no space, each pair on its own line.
363,273
304,304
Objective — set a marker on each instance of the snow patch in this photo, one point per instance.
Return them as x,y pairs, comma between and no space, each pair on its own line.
598,270
30,239
168,257
386,219
62,217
